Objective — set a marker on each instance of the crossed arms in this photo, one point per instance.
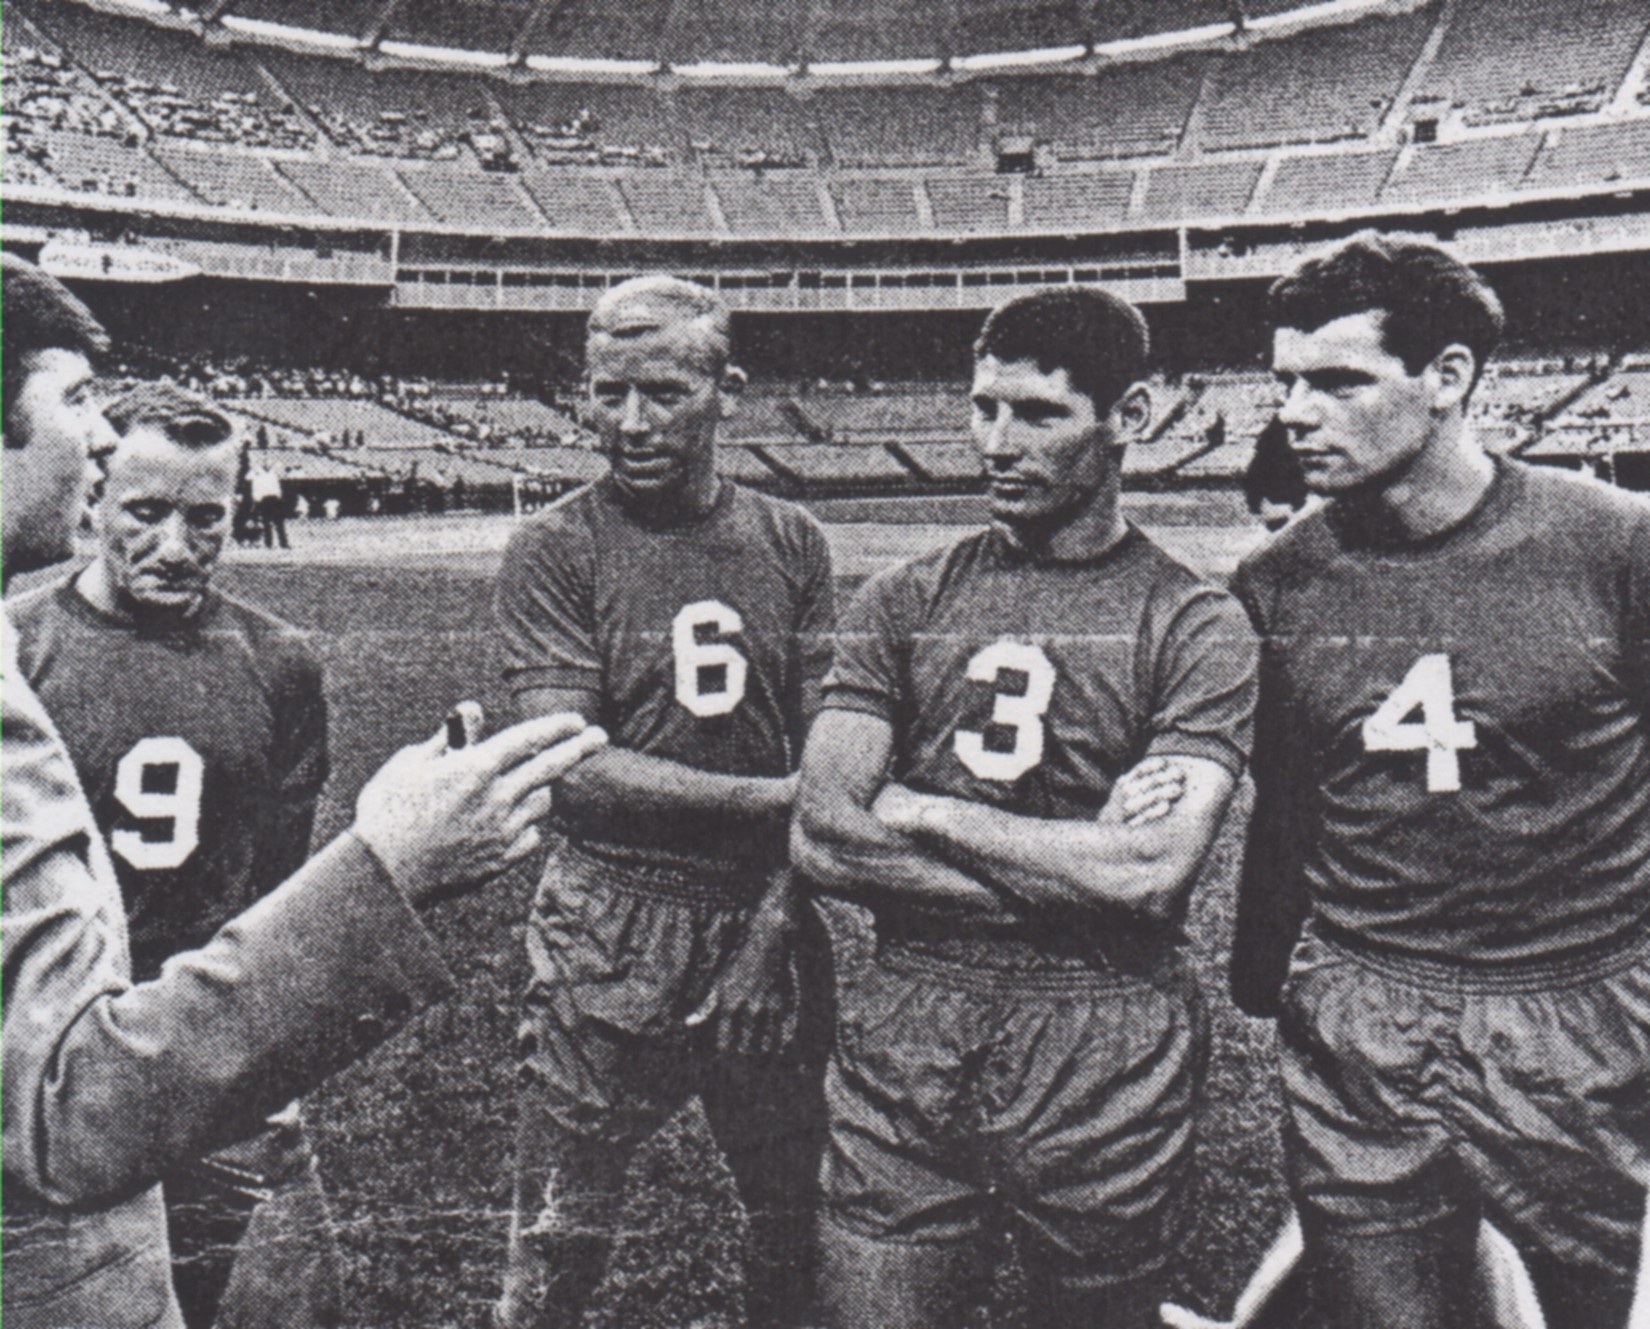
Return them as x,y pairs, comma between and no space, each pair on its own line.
858,834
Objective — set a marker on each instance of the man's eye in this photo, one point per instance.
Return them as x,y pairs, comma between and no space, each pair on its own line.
204,519
148,513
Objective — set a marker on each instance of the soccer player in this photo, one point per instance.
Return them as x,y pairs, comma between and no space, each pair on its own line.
1453,786
1018,1036
690,617
197,725
110,1085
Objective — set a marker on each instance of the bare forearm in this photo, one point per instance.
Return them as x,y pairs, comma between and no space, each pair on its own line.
636,795
851,854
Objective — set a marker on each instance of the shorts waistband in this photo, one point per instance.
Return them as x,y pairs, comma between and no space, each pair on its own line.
717,884
1054,978
1504,977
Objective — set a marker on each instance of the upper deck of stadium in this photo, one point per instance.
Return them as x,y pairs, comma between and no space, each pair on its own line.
827,120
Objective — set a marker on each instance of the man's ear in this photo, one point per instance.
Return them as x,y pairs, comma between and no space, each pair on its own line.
1132,414
1454,370
730,388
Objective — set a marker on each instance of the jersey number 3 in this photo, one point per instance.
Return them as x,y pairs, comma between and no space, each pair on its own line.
1021,712
160,779
1429,687
713,663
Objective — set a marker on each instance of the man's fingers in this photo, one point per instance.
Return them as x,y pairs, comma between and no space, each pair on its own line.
510,747
552,763
533,808
525,844
706,1009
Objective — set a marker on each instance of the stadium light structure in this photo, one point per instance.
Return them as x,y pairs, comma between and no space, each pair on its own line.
584,64
282,33
143,6
752,69
1053,55
871,68
446,55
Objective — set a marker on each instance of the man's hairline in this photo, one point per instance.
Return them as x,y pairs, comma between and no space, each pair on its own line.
1071,382
1382,316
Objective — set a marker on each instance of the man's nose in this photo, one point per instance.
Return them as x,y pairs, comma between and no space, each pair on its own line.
1296,411
174,540
997,441
633,417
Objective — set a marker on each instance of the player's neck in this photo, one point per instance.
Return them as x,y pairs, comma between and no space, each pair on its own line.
94,587
1447,480
692,502
1083,535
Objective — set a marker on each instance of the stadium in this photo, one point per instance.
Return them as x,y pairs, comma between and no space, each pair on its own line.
372,230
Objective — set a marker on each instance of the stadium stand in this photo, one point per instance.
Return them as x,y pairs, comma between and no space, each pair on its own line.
939,463
1516,59
1462,170
348,189
1317,87
108,166
734,30
491,419
1623,398
1237,405
575,203
1076,202
667,203
823,464
1227,462
472,198
569,463
896,412
968,203
466,25
1593,155
779,205
351,17
876,205
770,417
587,122
744,464
877,29
1018,25
172,81
1328,182
234,180
756,126
1132,110
599,28
1214,189
394,112
1161,456
900,125
333,417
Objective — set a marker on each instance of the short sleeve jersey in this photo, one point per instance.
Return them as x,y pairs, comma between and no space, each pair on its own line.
1454,750
1032,686
698,642
193,746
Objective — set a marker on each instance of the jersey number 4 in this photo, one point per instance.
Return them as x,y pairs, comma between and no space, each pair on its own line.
160,779
1430,688
1021,712
710,675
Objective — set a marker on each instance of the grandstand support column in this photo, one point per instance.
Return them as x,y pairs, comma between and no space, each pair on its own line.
518,145
1191,132
1263,185
380,24
1391,128
713,206
1016,201
323,144
621,207
1638,76
1137,195
925,205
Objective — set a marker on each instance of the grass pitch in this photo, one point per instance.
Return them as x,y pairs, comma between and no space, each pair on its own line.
415,1140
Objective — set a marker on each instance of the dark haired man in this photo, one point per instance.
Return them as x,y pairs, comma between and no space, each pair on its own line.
692,618
1453,773
197,725
110,1085
1016,1036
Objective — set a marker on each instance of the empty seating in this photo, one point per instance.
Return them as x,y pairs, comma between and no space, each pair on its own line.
347,189
1504,59
876,205
777,204
476,199
105,166
895,413
1078,202
474,25
1217,189
1316,87
1594,155
736,30
234,180
968,203
1332,182
667,204
893,125
1132,110
334,416
1161,456
878,29
633,30
740,463
1239,404
573,122
762,125
823,463
944,463
1018,25
575,203
1466,169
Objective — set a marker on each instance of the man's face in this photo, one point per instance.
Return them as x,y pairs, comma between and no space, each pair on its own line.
1046,452
162,520
1356,416
54,423
656,398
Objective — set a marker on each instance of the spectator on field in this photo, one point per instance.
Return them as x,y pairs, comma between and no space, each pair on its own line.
269,499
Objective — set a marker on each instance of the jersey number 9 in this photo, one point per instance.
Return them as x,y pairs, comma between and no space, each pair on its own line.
141,787
1022,712
713,663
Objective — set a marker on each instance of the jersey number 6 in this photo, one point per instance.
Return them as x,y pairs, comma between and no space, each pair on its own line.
699,662
1022,712
180,804
1430,687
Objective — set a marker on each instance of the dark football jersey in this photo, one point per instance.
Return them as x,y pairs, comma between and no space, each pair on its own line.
698,642
1453,757
1032,686
202,751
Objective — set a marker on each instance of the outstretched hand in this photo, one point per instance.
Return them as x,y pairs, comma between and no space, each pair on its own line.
442,820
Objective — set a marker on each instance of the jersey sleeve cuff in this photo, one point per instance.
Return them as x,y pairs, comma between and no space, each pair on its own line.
1197,745
564,678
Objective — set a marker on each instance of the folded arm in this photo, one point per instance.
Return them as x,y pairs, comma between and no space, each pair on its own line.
837,841
1109,862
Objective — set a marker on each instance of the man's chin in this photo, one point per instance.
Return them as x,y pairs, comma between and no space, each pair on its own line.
165,602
